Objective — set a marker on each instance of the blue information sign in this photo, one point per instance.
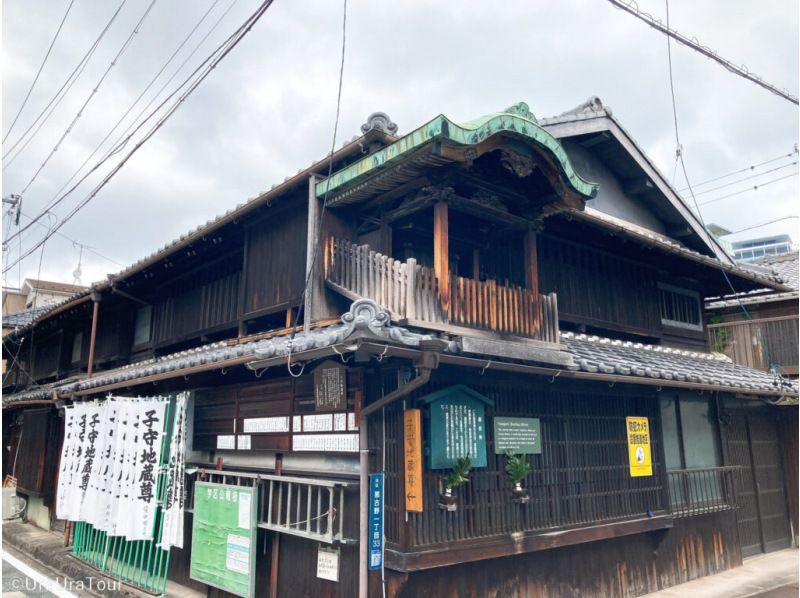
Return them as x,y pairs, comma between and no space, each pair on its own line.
375,521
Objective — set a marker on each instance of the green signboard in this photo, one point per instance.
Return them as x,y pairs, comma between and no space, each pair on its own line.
224,537
457,426
520,435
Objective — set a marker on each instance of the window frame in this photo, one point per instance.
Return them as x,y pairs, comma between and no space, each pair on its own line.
663,286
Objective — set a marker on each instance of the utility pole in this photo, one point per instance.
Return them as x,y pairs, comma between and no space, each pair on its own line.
15,201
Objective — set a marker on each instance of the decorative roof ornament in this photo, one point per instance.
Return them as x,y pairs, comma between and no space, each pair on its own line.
523,110
379,121
520,165
593,104
365,314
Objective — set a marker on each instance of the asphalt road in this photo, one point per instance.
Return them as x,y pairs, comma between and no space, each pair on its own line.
24,577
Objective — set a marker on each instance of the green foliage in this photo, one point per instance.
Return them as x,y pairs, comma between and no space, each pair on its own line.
517,467
459,475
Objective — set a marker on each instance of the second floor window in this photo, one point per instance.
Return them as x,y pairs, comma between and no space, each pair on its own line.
680,307
77,347
141,331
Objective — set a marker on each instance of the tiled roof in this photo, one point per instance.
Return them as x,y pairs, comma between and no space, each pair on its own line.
25,317
641,234
58,287
624,360
785,265
595,354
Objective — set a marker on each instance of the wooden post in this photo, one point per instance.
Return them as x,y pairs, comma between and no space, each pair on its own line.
476,264
276,540
441,256
93,335
411,288
314,285
532,275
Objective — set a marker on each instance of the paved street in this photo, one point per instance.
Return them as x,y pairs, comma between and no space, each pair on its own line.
23,578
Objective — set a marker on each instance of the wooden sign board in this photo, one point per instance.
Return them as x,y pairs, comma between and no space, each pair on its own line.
457,426
330,387
639,453
520,435
412,451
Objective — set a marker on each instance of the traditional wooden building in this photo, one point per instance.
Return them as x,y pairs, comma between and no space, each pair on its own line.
525,295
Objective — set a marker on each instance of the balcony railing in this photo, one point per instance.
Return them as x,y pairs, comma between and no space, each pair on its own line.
307,507
703,490
762,344
411,292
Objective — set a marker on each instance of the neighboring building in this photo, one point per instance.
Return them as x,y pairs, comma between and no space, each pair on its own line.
465,282
13,300
39,293
754,249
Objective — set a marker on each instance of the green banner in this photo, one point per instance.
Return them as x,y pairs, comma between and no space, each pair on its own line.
224,537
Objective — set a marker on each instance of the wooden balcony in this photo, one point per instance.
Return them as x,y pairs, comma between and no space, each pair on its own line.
411,293
763,343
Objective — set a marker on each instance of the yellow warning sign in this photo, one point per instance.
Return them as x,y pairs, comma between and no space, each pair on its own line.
412,445
639,453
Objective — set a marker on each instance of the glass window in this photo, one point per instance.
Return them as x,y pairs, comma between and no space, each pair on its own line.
141,332
77,347
699,428
669,427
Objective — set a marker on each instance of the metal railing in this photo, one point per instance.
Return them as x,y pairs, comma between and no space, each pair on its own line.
703,490
311,508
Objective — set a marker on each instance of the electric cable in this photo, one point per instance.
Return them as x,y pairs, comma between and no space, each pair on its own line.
318,239
753,188
745,169
120,142
218,55
91,95
68,83
747,178
39,72
631,7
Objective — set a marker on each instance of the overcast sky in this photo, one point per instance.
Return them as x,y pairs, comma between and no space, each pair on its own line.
268,109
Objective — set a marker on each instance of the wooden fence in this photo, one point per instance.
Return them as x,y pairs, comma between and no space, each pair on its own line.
762,343
411,291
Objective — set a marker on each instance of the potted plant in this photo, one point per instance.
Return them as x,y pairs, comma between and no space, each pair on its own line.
517,469
458,476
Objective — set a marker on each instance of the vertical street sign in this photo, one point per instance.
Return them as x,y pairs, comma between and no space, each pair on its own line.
412,452
639,452
375,521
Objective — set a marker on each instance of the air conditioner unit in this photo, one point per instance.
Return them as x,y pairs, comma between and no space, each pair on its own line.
13,505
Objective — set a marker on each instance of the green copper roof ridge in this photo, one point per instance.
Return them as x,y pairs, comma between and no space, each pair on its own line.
470,133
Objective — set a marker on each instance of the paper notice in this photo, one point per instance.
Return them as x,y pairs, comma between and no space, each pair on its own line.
237,556
244,510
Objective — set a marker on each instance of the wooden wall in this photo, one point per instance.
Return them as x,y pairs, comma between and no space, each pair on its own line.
788,430
580,479
204,300
275,261
620,567
599,289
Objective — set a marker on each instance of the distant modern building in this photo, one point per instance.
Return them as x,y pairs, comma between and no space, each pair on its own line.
754,249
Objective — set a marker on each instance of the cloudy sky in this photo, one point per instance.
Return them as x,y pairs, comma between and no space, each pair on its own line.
268,109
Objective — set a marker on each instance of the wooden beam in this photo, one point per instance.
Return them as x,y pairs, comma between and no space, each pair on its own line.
441,255
93,335
532,273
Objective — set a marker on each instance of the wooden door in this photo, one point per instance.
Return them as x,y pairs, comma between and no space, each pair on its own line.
762,517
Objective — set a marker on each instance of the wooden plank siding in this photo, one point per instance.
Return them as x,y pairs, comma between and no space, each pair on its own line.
203,301
275,262
598,288
580,479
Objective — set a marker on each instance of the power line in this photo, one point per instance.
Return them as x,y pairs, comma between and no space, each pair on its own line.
221,52
741,230
747,178
631,7
120,143
91,95
68,83
318,239
745,169
753,188
39,72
